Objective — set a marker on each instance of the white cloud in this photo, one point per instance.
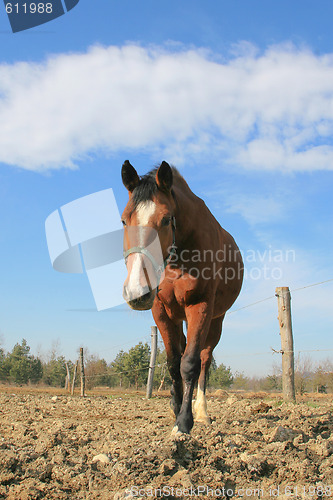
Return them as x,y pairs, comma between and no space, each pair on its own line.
255,209
258,204
262,111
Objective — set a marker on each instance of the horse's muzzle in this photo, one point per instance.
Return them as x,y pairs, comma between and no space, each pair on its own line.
143,303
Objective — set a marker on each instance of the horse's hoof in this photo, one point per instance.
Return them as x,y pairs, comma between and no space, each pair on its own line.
201,416
177,435
203,420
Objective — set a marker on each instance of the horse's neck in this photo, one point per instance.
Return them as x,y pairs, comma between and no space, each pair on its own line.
189,220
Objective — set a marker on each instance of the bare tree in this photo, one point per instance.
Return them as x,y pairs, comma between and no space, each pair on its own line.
303,374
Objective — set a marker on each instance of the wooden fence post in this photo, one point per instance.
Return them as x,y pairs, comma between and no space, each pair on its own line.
287,344
152,362
83,380
74,378
68,379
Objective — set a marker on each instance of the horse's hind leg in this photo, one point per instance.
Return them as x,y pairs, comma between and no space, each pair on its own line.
200,405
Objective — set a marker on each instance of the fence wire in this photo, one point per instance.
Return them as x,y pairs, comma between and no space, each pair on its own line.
273,351
231,312
112,374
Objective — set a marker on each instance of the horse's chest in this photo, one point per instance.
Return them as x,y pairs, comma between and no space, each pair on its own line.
178,293
173,307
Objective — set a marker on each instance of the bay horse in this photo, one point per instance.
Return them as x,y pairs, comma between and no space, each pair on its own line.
203,273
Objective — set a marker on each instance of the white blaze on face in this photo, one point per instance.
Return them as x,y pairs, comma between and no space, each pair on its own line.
136,279
144,212
137,286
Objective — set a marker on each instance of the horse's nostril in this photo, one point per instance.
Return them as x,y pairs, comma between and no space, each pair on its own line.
125,293
142,303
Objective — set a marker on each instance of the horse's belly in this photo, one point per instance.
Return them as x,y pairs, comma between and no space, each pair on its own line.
224,298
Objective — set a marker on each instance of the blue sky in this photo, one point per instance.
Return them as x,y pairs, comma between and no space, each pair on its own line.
238,95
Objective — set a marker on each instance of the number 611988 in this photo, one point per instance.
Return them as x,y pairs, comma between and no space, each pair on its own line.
26,8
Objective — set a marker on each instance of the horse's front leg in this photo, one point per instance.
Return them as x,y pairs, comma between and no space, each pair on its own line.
174,342
199,319
173,361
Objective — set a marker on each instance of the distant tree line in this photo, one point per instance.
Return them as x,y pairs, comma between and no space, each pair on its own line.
309,377
129,370
19,366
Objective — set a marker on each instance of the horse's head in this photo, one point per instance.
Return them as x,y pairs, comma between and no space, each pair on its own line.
149,232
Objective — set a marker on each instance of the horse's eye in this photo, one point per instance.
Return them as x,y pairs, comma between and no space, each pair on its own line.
123,222
166,221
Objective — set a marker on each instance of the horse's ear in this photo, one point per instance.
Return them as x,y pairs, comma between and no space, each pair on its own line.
129,176
164,177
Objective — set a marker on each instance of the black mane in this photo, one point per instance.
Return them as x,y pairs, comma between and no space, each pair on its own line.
146,189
